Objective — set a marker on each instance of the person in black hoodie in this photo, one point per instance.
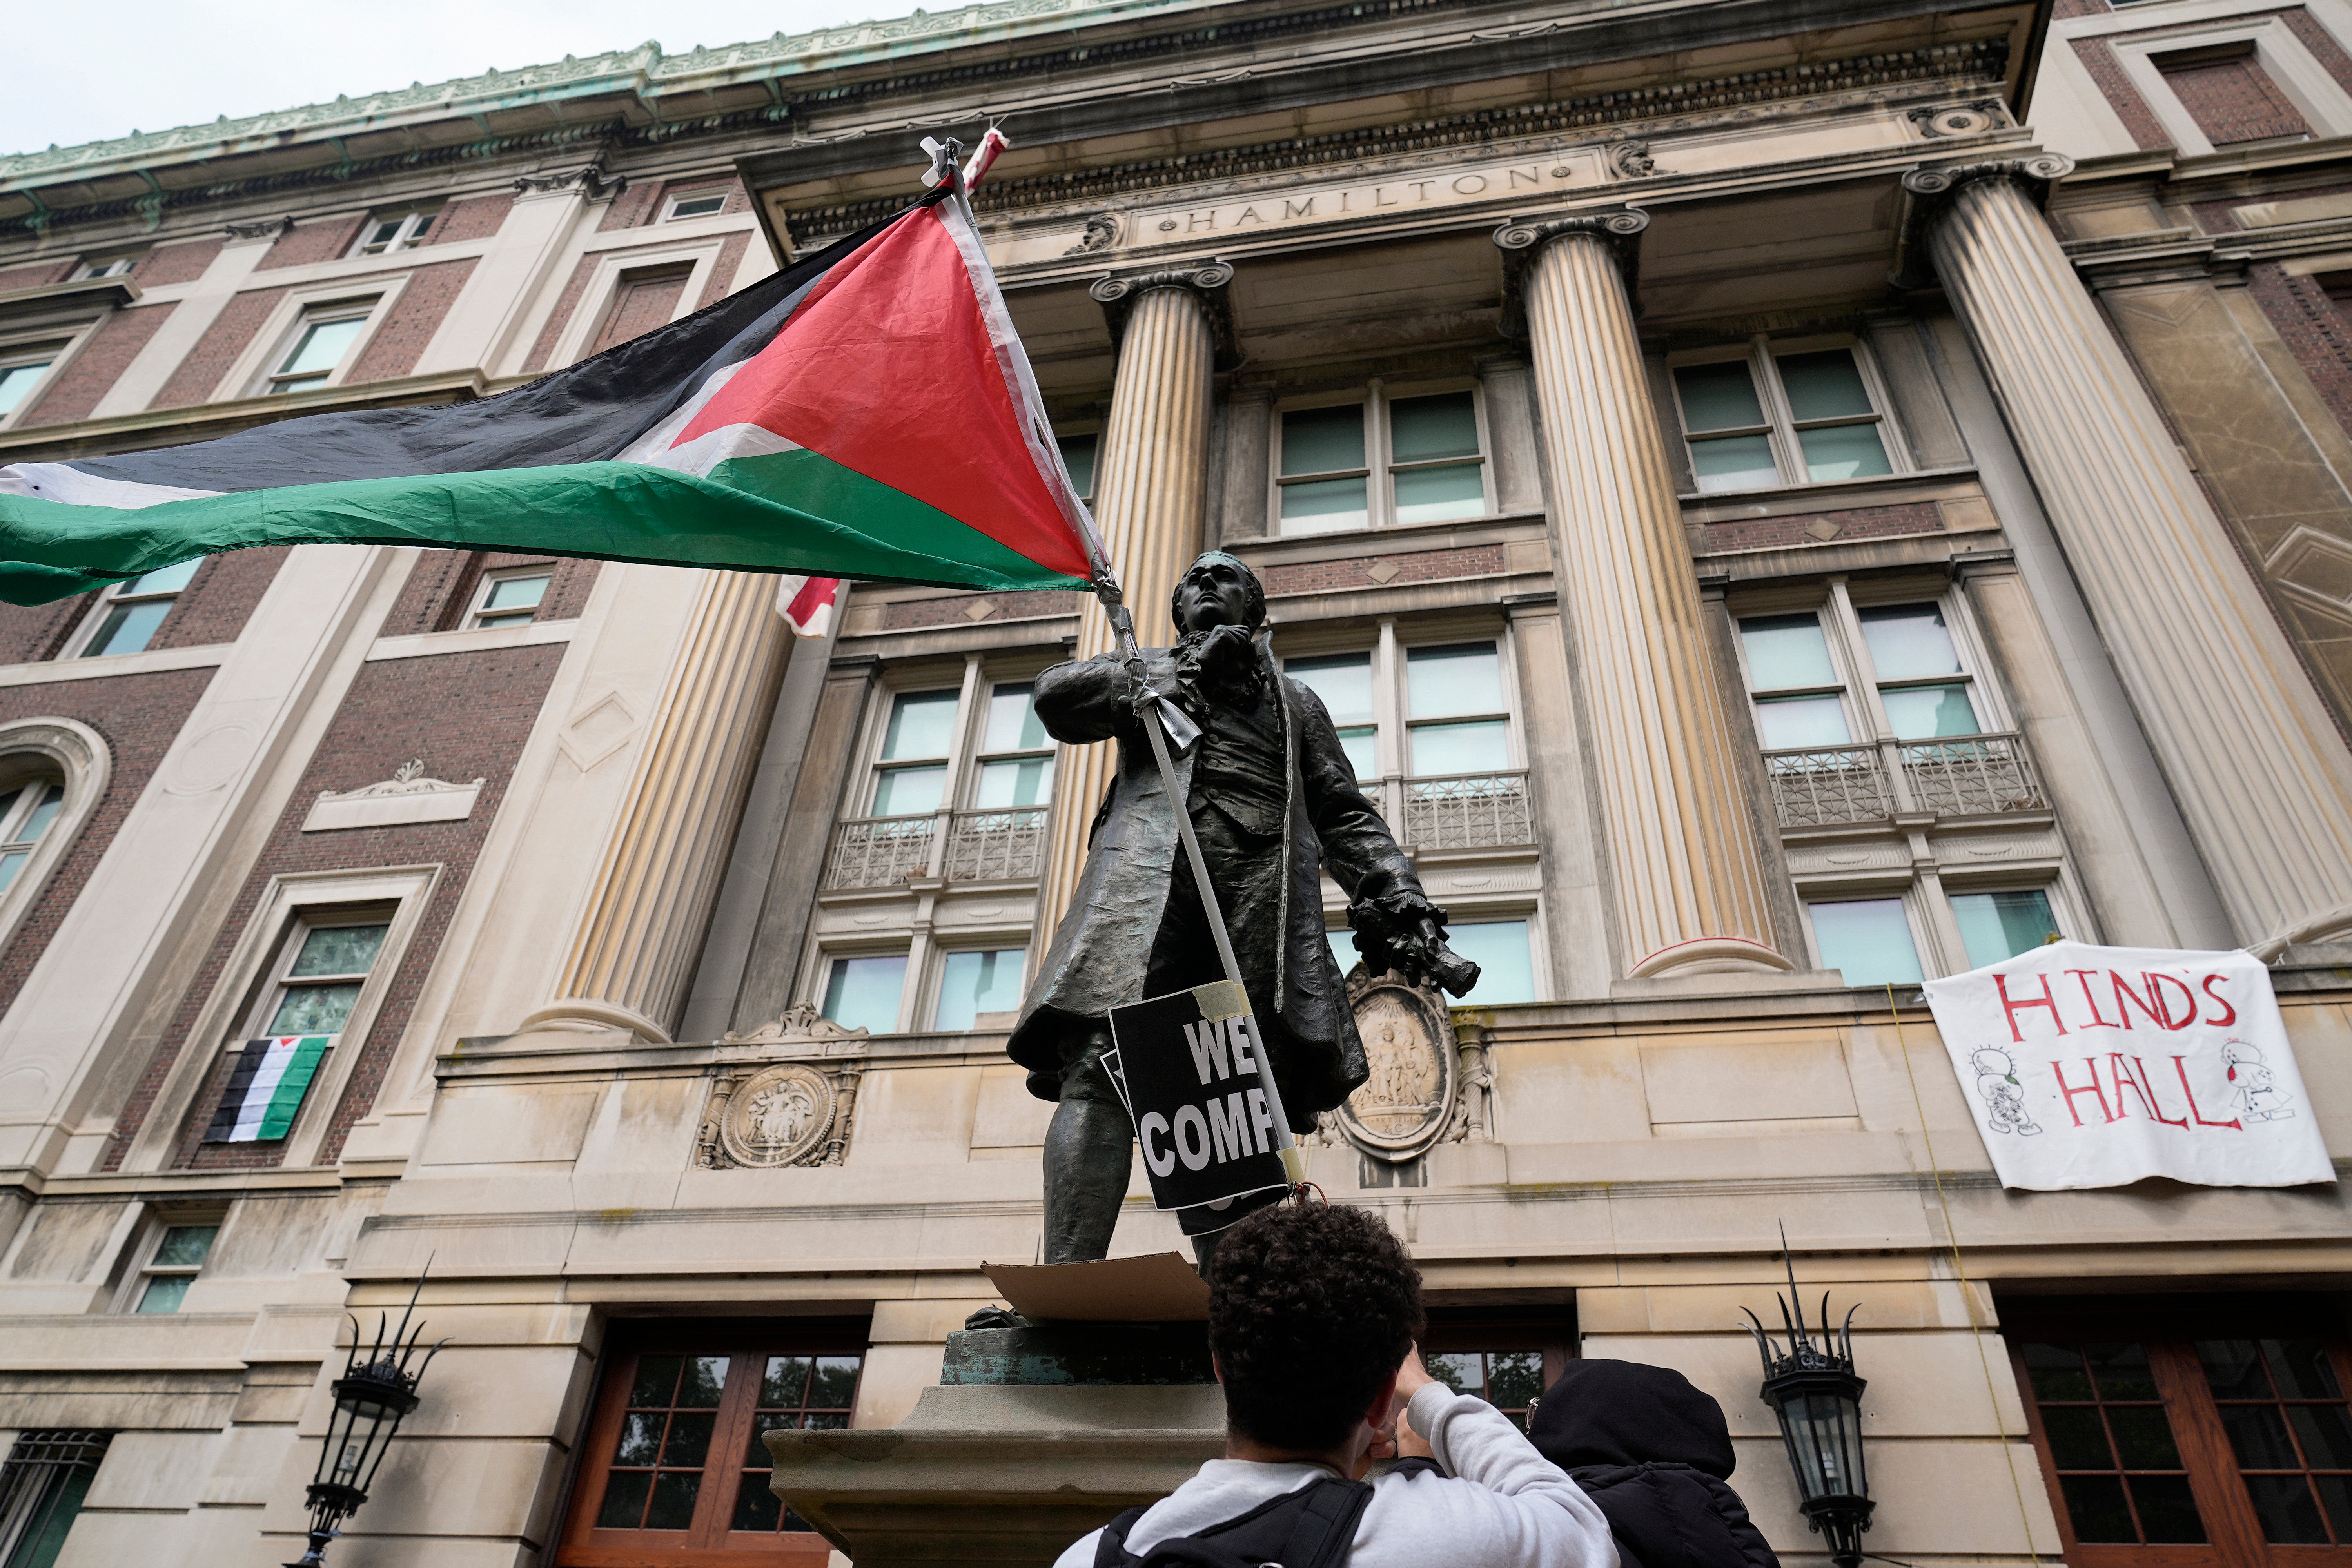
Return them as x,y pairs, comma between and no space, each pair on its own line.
1655,1454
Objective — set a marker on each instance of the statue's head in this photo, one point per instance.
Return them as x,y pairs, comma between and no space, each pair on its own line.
1217,590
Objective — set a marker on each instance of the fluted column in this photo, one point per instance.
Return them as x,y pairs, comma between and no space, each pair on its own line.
1150,497
1683,859
633,953
2260,775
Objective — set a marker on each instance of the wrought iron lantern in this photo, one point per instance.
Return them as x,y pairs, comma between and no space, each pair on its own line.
375,1393
1814,1392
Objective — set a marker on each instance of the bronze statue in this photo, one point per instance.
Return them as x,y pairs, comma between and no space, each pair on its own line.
1270,794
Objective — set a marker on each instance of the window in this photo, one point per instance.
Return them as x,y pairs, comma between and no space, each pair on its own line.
1384,460
863,993
911,776
117,265
1344,682
1995,926
1869,939
510,598
1455,710
2230,96
27,810
128,613
178,1256
323,340
306,998
1016,756
21,370
1904,655
674,1471
1506,964
695,203
385,233
47,1473
1507,1358
2189,1423
974,982
1078,454
1788,417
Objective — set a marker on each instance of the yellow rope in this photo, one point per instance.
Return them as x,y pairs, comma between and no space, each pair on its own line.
1967,1296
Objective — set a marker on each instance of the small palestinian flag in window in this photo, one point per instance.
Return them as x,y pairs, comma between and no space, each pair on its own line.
266,1081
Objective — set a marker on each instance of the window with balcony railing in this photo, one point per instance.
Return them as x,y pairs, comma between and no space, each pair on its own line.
959,788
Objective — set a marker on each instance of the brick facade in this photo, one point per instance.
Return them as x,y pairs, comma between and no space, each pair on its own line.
2233,100
39,274
2313,327
956,609
442,584
561,316
307,242
468,715
1358,572
30,632
175,263
639,305
220,597
140,715
101,363
2098,58
722,275
1821,527
199,375
424,305
475,217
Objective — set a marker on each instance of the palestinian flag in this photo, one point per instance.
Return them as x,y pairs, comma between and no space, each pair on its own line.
266,1081
867,413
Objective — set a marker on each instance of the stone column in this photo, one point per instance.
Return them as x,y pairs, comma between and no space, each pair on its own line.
634,951
1685,874
2260,775
1151,496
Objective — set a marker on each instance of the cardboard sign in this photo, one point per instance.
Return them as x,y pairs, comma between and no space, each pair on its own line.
1187,1066
1160,1287
2094,1067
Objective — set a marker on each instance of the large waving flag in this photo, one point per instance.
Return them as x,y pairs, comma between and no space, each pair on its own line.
867,413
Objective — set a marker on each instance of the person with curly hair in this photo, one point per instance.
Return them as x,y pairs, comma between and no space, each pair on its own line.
1313,1315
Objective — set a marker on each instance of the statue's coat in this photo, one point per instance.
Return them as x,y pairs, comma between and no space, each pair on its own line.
1100,953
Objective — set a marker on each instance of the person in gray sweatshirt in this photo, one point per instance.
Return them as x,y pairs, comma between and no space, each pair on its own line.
1313,1314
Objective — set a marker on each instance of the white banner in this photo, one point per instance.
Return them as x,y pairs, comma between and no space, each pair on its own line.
2094,1067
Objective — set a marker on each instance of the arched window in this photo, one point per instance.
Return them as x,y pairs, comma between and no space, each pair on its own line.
53,773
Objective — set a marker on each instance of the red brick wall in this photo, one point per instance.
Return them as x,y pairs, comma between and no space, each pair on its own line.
101,363
633,206
468,715
139,715
639,305
307,242
475,217
955,609
2098,58
2331,55
220,597
1422,566
200,373
723,273
561,317
1853,523
37,275
175,263
424,304
443,582
29,633
2070,9
2233,100
2313,328
643,203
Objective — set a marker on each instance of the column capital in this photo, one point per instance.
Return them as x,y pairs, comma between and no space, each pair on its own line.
591,181
1928,190
1204,278
1523,238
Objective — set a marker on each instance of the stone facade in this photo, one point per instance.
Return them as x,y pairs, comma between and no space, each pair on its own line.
1558,372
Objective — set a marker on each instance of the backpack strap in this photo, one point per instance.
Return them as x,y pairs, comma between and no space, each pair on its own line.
1325,1531
1110,1546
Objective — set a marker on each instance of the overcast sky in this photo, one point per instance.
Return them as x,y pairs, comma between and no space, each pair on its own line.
148,65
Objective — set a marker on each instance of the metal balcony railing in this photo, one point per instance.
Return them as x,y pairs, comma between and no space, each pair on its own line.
960,846
996,845
1960,775
1467,811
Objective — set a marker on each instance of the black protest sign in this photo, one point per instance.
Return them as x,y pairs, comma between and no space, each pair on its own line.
1188,1066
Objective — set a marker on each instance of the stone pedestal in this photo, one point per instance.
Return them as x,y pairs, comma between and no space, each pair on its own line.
1033,1437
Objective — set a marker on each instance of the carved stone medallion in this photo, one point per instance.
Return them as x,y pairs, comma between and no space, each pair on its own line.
1408,1103
777,1116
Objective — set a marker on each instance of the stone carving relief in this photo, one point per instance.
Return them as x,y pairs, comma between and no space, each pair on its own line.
1102,233
1427,1086
767,1113
264,228
409,796
1631,160
592,182
1958,118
